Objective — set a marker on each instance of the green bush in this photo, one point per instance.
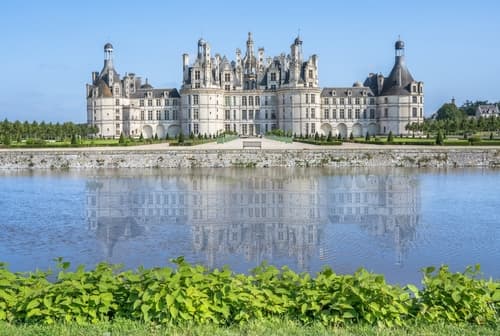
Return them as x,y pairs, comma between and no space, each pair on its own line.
193,294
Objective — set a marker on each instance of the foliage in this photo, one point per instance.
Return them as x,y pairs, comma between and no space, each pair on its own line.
457,297
121,141
439,138
390,137
193,294
449,111
367,136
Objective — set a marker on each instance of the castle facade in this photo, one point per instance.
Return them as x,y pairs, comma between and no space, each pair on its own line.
251,95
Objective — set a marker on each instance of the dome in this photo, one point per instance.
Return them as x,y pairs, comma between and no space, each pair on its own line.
201,42
108,47
399,45
146,86
357,84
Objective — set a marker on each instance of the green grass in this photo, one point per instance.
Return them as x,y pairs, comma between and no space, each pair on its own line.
252,328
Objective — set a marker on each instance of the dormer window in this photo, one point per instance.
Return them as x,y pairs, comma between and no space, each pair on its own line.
349,93
150,94
334,93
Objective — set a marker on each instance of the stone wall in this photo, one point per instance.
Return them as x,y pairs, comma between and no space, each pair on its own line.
380,157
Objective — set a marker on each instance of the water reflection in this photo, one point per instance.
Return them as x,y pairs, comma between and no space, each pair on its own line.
257,214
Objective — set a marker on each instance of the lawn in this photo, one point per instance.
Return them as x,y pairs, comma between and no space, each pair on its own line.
257,328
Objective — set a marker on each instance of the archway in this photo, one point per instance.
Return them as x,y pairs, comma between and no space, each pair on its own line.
326,129
147,132
342,130
160,131
173,130
357,130
373,129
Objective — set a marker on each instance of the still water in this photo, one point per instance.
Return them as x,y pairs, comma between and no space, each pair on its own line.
390,221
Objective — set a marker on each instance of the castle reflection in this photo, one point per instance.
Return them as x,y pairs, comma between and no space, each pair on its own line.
258,214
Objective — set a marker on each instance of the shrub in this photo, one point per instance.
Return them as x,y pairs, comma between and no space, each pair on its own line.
122,139
390,137
367,136
439,138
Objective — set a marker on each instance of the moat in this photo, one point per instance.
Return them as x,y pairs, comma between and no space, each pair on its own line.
392,221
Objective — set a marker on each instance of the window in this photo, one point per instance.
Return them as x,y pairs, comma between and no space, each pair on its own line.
257,114
310,73
313,98
158,102
117,102
372,101
167,102
141,102
227,101
349,113
150,102
273,87
158,115
150,115
244,101
197,85
307,112
227,87
196,100
307,128
166,115
175,102
326,101
342,101
349,101
307,98
421,112
197,75
244,114
196,114
273,76
196,128
357,101
326,114
342,114
227,115
357,114
414,112
364,114
142,115
386,100
250,114
386,112
414,88
334,114
227,127
227,77
372,113
257,101
313,128
174,114
414,99
250,101
313,113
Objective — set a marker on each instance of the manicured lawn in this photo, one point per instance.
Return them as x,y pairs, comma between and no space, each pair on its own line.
257,328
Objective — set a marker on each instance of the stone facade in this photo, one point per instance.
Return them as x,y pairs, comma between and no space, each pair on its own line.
182,158
252,95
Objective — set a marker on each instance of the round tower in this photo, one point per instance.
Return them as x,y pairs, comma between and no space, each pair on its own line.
108,51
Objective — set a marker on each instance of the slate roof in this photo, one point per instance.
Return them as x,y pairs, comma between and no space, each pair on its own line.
344,92
399,80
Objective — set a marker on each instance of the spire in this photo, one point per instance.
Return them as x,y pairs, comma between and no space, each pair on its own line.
250,51
400,77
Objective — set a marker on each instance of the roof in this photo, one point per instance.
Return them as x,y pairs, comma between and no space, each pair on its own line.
344,92
399,80
488,109
157,93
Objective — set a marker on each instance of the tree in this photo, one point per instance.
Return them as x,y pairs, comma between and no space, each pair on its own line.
316,136
390,137
74,141
121,141
367,137
6,139
351,136
181,137
141,137
167,137
156,136
329,137
449,111
439,138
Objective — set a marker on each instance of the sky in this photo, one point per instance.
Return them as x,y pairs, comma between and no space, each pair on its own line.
50,48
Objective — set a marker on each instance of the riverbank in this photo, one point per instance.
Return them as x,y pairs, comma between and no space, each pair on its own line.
211,156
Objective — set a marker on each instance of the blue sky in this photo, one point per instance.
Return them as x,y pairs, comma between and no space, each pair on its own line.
49,48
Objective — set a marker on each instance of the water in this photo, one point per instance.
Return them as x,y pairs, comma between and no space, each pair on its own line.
390,221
